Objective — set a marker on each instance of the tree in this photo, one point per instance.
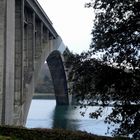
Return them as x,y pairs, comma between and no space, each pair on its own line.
117,30
114,79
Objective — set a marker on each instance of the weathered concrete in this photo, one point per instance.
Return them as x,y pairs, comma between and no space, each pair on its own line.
27,37
2,44
56,67
7,37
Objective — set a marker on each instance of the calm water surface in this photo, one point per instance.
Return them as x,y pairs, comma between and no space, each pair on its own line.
45,114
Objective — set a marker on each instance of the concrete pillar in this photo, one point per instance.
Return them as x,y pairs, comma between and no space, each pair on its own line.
7,49
34,32
2,44
42,35
19,43
28,46
51,44
38,40
40,45
29,51
46,40
30,28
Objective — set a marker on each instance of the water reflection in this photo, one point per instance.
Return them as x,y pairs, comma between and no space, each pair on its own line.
45,114
59,117
62,118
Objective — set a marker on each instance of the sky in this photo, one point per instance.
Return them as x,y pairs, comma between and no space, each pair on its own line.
72,21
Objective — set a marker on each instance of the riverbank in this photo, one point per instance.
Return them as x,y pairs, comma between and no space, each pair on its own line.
20,133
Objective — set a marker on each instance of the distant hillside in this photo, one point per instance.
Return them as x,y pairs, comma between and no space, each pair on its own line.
44,82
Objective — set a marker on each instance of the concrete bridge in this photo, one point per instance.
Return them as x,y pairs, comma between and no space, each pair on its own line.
27,39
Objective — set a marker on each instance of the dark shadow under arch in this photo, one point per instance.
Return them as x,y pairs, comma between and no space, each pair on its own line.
57,71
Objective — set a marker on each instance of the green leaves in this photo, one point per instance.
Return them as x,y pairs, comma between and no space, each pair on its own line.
116,30
96,83
115,79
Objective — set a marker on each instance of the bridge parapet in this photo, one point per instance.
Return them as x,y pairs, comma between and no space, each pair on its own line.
27,37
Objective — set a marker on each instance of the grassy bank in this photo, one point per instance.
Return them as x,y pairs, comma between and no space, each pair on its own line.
18,133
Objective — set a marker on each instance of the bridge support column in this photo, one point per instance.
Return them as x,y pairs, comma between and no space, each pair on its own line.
19,53
7,49
2,43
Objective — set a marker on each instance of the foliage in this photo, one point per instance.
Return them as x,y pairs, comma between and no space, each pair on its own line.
18,133
96,83
117,30
113,79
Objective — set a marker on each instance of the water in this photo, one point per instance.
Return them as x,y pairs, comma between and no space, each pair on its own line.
45,114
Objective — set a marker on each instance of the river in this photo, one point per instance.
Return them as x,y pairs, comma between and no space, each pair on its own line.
45,114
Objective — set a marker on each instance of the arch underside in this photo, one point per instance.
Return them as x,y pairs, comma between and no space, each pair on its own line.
57,71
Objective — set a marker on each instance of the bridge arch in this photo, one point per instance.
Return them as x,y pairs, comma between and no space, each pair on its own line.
53,54
55,63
